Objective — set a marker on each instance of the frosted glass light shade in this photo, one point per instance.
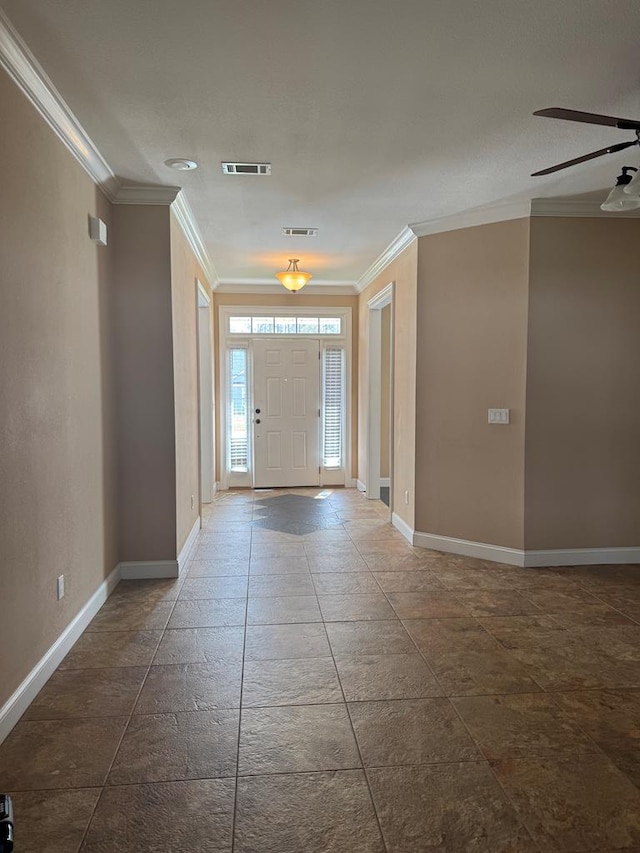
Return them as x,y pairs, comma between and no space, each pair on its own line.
619,200
634,187
293,279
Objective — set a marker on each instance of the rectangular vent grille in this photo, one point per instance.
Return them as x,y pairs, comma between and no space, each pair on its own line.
300,232
246,168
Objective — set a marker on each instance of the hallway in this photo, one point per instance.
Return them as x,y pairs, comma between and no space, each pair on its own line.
316,685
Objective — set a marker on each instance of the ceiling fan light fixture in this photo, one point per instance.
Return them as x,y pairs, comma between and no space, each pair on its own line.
292,278
618,199
633,187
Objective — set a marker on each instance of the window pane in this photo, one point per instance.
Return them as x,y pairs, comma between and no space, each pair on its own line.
333,393
238,410
329,325
307,325
240,325
285,325
263,325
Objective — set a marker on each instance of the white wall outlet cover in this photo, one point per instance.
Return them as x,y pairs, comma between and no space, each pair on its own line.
498,416
98,230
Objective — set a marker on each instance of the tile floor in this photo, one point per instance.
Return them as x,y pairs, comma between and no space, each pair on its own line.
315,685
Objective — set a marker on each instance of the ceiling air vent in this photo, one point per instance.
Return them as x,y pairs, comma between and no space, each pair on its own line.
246,168
300,232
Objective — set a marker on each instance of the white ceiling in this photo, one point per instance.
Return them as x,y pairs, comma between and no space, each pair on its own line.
374,113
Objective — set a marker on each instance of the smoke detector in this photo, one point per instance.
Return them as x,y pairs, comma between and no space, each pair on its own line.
300,232
181,164
246,168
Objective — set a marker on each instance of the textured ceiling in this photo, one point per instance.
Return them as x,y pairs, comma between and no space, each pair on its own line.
374,113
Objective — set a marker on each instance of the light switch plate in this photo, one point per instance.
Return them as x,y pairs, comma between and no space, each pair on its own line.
498,416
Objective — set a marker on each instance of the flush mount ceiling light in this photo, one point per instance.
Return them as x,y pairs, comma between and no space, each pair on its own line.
181,164
619,199
292,278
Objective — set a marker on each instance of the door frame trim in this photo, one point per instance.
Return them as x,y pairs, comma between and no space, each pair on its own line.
226,340
381,300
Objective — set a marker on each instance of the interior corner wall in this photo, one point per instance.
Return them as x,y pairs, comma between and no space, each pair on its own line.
145,395
403,272
472,347
583,403
57,431
385,391
184,272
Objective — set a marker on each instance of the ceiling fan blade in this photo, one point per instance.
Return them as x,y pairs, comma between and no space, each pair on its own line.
612,149
589,118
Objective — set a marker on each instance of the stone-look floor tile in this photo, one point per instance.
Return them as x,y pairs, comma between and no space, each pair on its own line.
457,577
53,821
211,613
432,604
99,650
215,587
345,583
121,615
573,804
442,636
281,610
181,817
447,807
331,563
296,739
191,687
355,607
408,581
561,601
369,638
306,681
277,551
286,642
200,645
395,563
393,547
310,812
515,632
169,747
612,719
490,602
520,726
147,591
59,753
481,672
217,568
264,586
595,615
368,677
222,552
410,731
279,565
88,693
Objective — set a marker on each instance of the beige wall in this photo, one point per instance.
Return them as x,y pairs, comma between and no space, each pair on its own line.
290,300
144,348
184,272
403,272
472,316
57,447
385,390
583,399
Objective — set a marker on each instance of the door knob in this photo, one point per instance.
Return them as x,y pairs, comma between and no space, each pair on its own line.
257,411
257,420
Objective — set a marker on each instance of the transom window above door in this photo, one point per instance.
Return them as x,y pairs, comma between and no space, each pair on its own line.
283,325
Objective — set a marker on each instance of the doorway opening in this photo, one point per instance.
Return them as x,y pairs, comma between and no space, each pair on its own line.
205,395
380,415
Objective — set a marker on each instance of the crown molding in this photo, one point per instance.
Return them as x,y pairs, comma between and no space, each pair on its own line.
25,70
485,215
145,194
187,221
396,247
265,286
577,208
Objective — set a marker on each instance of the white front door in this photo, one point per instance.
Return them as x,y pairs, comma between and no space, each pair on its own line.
286,420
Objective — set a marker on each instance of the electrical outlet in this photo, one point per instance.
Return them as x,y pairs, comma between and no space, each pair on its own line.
406,496
60,587
193,501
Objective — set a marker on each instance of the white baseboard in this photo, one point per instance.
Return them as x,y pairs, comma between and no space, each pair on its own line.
527,559
385,481
148,570
466,548
403,527
582,557
360,486
216,488
187,548
18,703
